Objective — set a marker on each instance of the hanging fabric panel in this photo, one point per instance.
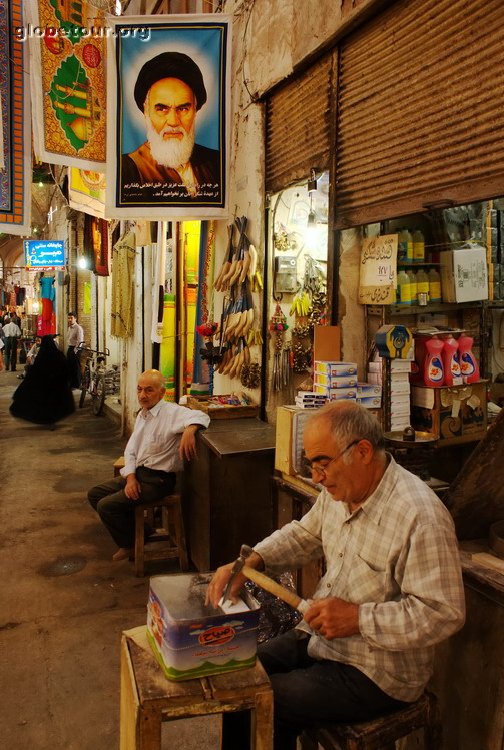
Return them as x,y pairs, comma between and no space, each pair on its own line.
298,126
420,110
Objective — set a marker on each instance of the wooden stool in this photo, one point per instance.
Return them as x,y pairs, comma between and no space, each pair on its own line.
380,733
171,531
149,698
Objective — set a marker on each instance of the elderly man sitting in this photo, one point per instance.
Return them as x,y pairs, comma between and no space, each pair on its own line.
163,436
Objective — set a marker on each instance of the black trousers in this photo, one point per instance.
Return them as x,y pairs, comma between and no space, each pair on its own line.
307,692
118,512
10,352
74,367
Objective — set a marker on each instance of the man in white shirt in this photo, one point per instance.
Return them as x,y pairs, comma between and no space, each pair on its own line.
75,336
391,591
11,332
163,436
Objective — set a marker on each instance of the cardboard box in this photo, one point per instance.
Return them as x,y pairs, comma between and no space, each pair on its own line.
369,402
327,343
336,394
456,414
338,381
396,388
367,390
400,365
335,368
191,640
464,275
290,422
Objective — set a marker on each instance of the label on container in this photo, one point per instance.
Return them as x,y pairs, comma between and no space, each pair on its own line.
435,371
435,291
404,294
466,364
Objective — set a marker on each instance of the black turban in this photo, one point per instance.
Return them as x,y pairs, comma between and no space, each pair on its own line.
170,65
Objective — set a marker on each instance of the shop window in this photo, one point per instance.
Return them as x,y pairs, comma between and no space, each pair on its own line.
298,300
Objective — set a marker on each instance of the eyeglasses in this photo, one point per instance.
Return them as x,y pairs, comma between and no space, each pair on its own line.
315,467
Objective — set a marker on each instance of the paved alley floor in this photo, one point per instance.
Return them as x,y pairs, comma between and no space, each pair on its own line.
63,602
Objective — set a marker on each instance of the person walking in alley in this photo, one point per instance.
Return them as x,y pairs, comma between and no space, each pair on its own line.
392,588
75,336
12,332
163,436
44,396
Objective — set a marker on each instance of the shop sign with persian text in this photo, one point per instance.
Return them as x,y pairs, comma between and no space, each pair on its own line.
44,254
378,270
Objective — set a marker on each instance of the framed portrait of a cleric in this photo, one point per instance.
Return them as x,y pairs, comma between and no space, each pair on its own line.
168,89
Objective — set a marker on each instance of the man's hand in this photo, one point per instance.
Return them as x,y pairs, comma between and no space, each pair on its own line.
218,584
187,449
223,574
133,488
333,617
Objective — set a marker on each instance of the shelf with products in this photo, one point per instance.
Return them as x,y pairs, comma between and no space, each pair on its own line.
430,307
418,264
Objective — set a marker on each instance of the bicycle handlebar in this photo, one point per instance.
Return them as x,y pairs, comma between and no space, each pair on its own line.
82,347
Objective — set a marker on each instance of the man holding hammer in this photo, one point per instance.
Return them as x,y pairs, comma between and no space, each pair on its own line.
391,591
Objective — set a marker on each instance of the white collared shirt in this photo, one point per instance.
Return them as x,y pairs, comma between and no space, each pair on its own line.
75,335
155,440
11,329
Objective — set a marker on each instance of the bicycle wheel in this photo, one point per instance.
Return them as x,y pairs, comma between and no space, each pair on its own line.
98,395
84,386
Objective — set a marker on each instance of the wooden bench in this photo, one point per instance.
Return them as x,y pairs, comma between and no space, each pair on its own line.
148,698
380,733
165,518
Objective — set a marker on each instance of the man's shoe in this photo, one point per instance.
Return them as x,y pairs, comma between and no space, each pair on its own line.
122,554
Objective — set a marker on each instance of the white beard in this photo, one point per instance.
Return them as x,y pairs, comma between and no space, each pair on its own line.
172,153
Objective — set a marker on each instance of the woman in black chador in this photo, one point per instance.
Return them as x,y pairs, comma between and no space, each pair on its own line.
45,396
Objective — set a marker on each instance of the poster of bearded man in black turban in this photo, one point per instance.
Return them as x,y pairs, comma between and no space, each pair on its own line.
170,129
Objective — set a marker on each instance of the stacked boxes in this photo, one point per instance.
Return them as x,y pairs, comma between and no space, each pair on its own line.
369,395
335,380
399,394
310,400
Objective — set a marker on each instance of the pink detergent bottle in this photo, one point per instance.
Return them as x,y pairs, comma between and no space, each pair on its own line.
433,365
469,367
451,364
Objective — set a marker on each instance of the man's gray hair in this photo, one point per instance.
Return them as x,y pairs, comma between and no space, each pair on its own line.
350,421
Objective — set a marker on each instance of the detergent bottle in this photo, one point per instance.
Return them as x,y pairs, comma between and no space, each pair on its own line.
422,283
402,246
405,248
434,286
468,364
413,286
433,365
418,246
452,375
403,288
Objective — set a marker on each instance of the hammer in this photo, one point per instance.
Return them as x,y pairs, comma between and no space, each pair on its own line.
263,581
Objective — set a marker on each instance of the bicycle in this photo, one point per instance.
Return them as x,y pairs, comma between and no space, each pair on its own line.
93,378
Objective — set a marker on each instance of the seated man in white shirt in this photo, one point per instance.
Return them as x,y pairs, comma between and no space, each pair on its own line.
391,591
163,436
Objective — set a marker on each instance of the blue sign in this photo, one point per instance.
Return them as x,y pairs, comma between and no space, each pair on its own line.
44,253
